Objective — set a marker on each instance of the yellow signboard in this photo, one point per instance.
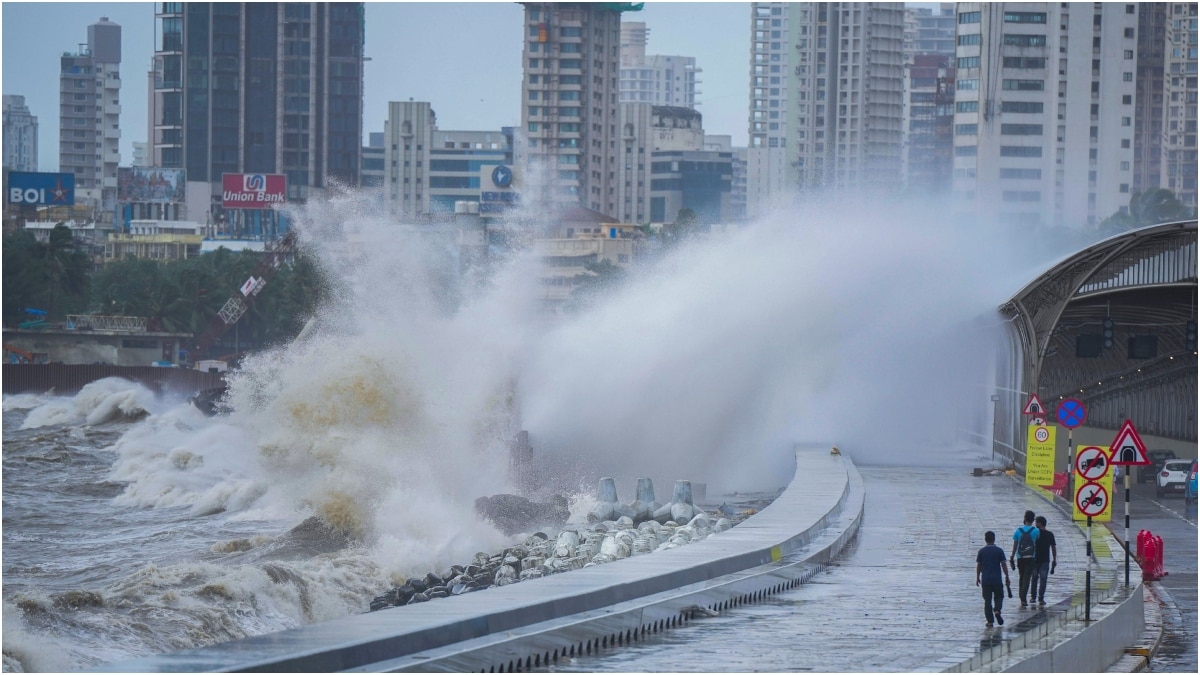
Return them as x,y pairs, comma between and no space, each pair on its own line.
1039,456
1090,495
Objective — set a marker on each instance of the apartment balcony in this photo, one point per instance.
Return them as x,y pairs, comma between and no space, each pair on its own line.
112,109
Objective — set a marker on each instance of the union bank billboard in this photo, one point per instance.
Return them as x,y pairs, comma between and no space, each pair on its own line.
253,190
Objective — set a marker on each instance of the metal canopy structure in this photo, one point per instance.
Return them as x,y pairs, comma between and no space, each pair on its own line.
1133,297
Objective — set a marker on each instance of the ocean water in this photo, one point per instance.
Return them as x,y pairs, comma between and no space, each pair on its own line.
134,525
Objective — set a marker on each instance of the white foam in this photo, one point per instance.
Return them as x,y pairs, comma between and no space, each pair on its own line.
109,399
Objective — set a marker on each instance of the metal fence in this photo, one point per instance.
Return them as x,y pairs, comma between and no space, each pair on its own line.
69,379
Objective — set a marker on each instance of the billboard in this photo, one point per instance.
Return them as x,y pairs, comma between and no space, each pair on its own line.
253,190
151,185
41,189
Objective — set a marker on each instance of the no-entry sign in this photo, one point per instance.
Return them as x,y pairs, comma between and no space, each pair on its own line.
1091,463
1091,499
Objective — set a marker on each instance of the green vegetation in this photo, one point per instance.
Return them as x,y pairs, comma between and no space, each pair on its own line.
1147,208
178,296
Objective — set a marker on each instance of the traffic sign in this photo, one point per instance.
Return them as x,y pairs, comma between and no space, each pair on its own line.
1037,421
1091,499
1091,463
1034,407
1042,434
1071,413
1127,448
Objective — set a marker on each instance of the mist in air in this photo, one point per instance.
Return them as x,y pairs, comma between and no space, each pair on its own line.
867,326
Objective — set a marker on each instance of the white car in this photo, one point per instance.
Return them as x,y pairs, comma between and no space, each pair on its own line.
1172,478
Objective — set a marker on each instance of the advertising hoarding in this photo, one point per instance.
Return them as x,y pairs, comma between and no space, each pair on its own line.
151,185
253,190
41,189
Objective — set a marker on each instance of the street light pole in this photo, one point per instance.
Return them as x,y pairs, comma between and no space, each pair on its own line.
995,403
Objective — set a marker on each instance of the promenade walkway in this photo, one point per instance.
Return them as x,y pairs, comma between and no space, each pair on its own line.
902,598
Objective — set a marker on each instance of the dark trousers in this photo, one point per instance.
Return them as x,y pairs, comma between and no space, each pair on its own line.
1025,567
993,597
1041,575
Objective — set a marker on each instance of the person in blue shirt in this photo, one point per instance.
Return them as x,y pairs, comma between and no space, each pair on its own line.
989,565
1024,554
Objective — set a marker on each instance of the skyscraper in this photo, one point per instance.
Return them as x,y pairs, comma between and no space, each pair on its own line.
259,88
654,78
1023,71
89,122
826,97
1179,103
20,135
567,148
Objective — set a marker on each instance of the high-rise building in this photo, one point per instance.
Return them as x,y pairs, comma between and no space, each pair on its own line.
407,136
89,120
928,152
826,97
259,88
1023,71
929,31
656,79
1148,101
1180,103
566,150
20,135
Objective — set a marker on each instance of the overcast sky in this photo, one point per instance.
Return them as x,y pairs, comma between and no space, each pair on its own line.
464,58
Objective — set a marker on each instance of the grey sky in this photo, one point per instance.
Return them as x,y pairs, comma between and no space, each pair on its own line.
464,58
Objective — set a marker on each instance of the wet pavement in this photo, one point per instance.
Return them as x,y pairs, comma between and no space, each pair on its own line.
902,597
1174,521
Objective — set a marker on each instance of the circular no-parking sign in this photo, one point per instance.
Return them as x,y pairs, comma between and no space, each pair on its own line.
1071,413
1091,498
1091,463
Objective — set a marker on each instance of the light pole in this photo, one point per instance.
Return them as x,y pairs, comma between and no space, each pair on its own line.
995,402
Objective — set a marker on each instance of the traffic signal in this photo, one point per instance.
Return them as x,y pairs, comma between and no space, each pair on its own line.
1191,336
1108,333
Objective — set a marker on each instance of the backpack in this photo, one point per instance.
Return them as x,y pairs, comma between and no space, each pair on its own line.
1026,548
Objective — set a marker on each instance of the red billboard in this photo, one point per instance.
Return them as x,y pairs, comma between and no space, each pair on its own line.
253,190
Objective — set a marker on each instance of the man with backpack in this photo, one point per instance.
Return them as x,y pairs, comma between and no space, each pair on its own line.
1024,554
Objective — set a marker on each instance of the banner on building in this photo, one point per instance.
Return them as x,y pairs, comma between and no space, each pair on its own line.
41,189
141,184
253,190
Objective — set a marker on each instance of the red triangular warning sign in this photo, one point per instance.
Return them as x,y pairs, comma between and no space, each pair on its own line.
1034,407
1127,448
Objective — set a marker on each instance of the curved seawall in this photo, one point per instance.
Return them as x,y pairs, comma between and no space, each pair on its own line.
528,624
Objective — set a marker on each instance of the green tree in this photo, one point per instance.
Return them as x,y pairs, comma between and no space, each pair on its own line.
1147,208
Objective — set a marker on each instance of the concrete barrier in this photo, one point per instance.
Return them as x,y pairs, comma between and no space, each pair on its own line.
537,621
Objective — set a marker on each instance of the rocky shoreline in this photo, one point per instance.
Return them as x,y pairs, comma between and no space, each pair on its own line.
613,531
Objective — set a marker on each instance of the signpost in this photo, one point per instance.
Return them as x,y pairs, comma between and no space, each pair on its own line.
1039,456
1127,450
1090,499
1070,413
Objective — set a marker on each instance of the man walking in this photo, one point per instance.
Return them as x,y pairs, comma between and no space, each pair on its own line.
989,565
1045,561
1024,554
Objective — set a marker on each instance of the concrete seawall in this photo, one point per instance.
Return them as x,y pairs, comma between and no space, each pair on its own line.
537,621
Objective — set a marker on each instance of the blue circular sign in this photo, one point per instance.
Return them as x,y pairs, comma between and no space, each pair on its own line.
1071,413
502,176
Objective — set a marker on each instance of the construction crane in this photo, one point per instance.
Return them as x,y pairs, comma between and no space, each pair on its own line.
242,299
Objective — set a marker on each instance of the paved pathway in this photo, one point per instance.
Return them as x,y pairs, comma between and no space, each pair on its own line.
901,598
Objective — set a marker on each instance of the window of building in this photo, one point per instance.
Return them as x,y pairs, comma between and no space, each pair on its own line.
966,106
966,150
1023,174
967,85
1027,62
968,62
969,39
968,17
1020,151
1024,85
1024,17
1021,40
966,129
1021,106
